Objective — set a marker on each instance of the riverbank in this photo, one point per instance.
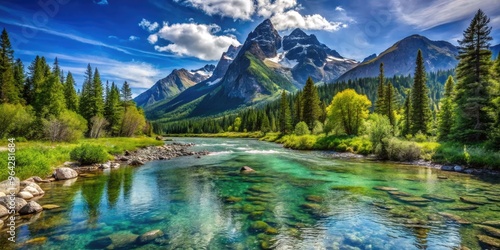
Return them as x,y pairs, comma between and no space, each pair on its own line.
475,159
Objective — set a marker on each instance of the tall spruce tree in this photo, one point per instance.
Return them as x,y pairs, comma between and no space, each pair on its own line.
97,95
473,99
9,93
20,79
285,119
380,106
113,111
298,111
421,112
86,106
390,103
311,104
445,115
407,114
70,93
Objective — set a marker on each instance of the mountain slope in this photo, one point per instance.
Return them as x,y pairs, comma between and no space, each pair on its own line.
495,51
400,58
170,86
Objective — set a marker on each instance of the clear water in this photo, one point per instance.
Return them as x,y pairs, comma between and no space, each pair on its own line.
206,204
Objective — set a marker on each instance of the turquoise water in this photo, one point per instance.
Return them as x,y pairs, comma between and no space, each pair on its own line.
295,200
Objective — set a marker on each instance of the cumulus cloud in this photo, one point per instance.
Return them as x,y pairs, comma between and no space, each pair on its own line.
101,2
438,12
134,38
149,26
191,39
237,9
293,19
338,8
267,8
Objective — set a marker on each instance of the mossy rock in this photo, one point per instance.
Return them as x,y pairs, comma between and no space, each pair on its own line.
258,226
474,201
419,204
400,213
271,231
232,199
50,206
382,205
436,197
259,203
36,241
314,198
253,198
311,206
492,223
412,199
265,245
491,231
493,198
463,207
351,189
382,188
259,189
257,215
455,218
488,241
399,193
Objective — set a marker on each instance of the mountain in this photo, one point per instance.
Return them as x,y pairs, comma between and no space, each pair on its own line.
170,86
307,57
400,58
495,51
369,58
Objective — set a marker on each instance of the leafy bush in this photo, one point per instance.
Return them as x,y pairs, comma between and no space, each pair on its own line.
378,127
420,137
318,128
68,127
475,156
301,129
398,150
16,120
89,154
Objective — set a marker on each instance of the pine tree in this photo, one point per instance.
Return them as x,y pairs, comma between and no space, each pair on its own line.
70,93
20,79
86,106
473,99
9,93
113,112
421,112
380,102
298,111
265,125
407,114
97,95
311,102
390,103
285,119
445,115
38,73
56,69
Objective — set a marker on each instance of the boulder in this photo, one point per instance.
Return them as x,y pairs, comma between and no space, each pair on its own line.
150,236
2,194
447,168
30,208
159,138
3,211
6,201
65,173
8,185
115,165
458,168
34,189
246,169
123,240
39,180
106,165
25,195
50,206
136,162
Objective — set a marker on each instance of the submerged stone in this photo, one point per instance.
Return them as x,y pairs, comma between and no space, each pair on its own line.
257,215
437,197
314,198
150,236
50,206
381,188
493,223
36,241
491,231
399,193
123,239
258,226
382,205
474,201
489,241
232,199
352,189
493,198
463,207
455,218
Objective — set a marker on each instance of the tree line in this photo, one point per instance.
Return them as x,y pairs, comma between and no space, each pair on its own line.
461,104
43,102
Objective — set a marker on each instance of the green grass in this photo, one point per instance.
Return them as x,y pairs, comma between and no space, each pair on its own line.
39,158
475,156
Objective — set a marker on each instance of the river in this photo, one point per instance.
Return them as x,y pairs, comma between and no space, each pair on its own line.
295,200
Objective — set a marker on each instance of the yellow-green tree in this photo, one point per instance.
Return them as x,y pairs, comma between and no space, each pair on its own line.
348,110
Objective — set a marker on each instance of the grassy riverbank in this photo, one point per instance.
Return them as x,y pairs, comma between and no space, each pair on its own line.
39,158
477,156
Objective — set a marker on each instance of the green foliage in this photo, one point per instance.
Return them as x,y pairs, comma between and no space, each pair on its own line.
68,127
133,121
378,127
16,120
445,115
318,128
285,117
390,103
420,108
480,155
311,109
348,110
398,150
420,137
88,154
473,98
113,112
9,91
70,93
380,106
407,115
301,129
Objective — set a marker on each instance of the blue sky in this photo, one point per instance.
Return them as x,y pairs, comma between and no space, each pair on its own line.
143,41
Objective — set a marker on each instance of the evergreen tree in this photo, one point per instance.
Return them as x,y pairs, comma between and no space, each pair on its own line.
265,125
86,96
407,114
38,73
9,93
311,102
380,102
19,78
421,112
390,103
56,69
126,93
113,112
445,115
298,111
70,93
97,95
473,99
285,119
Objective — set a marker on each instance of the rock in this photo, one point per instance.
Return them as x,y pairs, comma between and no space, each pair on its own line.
314,198
63,237
1,223
455,218
122,239
50,206
257,215
3,211
2,194
246,169
36,241
436,197
458,168
271,230
492,198
474,201
399,193
382,205
69,183
469,171
7,200
105,166
232,199
39,180
412,199
136,162
447,168
100,243
464,208
127,153
123,158
494,232
34,189
13,185
489,241
115,165
492,223
385,188
30,208
150,236
65,173
25,195
258,226
159,138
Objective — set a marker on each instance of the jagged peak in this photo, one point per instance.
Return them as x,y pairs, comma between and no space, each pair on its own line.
298,33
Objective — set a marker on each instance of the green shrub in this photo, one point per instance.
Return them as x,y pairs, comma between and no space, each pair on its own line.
474,156
318,128
89,154
378,127
398,150
419,137
301,129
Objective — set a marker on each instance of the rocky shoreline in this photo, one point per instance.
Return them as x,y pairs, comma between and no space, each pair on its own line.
21,196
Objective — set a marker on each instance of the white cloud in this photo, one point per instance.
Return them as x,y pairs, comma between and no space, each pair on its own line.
338,8
439,12
293,19
267,8
101,2
149,26
112,37
237,9
134,38
191,39
230,30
